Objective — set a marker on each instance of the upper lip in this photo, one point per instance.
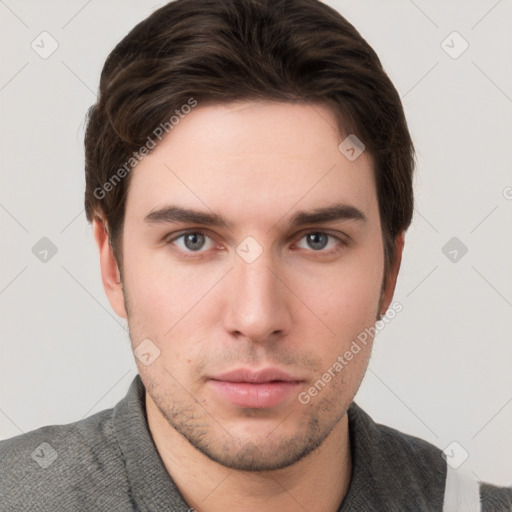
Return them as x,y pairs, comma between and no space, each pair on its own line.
255,376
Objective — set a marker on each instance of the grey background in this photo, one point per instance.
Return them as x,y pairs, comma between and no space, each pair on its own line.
441,370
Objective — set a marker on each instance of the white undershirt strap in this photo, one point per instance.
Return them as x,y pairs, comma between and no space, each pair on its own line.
462,491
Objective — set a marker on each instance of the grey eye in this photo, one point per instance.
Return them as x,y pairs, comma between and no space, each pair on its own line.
317,241
194,241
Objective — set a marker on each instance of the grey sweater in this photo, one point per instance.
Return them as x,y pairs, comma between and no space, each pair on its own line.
108,462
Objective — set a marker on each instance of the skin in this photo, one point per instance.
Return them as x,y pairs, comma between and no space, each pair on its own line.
296,307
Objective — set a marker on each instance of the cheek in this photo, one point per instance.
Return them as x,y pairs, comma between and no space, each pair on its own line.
164,307
164,296
151,289
344,295
347,303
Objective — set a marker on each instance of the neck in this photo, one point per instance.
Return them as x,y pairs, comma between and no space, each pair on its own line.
317,483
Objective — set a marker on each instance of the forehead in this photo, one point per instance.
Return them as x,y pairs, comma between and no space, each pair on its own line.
250,158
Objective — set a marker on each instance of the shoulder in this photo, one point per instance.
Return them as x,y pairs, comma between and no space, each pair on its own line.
495,499
391,469
408,467
391,448
65,467
485,497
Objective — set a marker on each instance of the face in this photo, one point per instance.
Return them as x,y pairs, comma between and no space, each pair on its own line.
252,259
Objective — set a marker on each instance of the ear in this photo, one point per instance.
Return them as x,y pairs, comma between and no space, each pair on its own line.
110,275
389,286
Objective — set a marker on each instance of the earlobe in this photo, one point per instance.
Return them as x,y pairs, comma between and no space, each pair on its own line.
389,286
110,274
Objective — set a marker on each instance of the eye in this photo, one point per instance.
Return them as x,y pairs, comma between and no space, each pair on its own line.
318,241
193,241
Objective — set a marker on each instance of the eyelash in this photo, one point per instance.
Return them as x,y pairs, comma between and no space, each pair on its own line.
201,254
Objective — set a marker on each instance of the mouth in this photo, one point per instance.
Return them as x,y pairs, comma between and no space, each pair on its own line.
255,389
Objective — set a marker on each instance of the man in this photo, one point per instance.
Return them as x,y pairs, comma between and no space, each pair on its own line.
249,181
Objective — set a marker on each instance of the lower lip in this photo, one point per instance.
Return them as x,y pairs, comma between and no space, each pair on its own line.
254,395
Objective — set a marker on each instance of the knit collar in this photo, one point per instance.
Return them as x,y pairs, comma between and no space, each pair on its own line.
151,485
378,460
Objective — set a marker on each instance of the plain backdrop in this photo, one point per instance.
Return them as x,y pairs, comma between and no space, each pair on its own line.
441,370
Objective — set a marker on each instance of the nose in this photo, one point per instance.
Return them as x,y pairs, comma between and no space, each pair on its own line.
257,302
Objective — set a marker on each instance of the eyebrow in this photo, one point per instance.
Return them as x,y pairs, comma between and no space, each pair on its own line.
173,213
329,213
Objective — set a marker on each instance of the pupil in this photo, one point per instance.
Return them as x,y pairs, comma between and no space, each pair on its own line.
317,240
194,241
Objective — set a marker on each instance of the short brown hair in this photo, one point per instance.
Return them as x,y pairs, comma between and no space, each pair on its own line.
219,51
